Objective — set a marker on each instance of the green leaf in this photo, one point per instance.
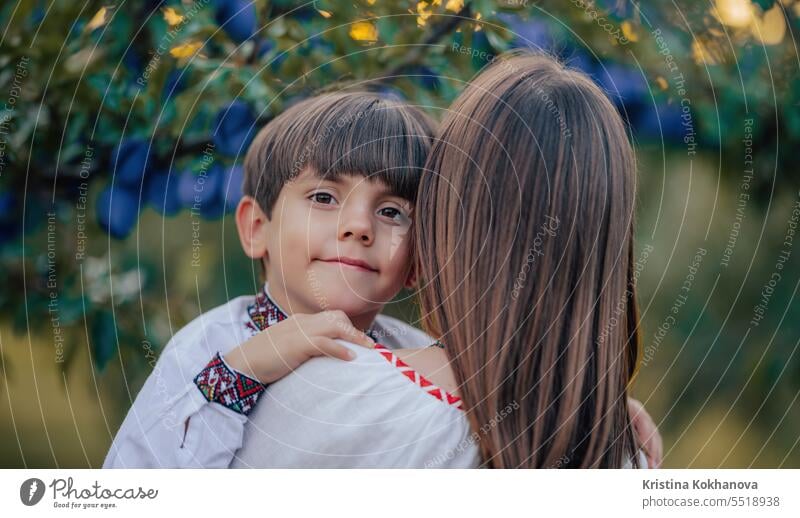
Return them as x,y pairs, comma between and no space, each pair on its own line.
104,338
764,4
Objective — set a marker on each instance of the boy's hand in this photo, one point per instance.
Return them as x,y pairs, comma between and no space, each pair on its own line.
281,348
646,433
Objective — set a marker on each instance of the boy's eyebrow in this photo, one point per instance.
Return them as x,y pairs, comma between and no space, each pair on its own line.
311,175
386,190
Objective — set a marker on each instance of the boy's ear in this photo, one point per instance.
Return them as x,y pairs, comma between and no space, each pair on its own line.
253,226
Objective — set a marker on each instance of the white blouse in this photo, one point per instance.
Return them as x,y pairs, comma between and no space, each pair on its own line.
152,434
372,412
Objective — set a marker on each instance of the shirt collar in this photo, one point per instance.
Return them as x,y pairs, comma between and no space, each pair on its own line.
265,312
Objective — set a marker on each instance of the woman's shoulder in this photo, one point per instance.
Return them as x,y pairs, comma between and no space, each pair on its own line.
396,334
408,377
433,364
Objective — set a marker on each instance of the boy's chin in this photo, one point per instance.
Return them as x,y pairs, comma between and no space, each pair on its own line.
345,299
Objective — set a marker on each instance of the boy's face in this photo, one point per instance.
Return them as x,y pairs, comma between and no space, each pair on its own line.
342,244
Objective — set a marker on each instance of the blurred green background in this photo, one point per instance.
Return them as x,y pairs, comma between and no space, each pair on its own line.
113,114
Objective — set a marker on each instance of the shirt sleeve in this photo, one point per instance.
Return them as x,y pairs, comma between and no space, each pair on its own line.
172,423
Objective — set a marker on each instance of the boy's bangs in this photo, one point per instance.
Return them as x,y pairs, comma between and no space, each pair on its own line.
381,140
355,133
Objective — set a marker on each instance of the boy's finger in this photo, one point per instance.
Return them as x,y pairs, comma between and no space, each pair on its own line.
327,347
337,325
334,315
659,451
654,450
647,432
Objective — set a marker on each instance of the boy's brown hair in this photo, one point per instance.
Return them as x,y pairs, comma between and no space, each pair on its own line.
351,133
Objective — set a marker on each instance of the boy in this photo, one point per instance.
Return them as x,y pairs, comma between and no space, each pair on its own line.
329,187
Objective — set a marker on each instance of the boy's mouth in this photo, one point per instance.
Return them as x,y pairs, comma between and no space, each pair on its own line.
351,263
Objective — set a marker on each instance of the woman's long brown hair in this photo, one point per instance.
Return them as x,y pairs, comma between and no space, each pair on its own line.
525,242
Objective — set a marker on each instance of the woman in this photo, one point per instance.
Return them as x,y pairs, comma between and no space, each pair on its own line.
524,231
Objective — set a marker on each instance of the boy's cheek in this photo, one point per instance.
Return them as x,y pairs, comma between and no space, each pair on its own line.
400,263
316,229
300,238
397,244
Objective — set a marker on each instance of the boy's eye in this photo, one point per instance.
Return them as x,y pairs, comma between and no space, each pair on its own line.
323,198
393,213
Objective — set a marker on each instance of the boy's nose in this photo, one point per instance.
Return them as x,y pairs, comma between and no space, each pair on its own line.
356,226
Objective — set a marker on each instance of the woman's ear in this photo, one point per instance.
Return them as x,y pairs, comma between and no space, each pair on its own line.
253,227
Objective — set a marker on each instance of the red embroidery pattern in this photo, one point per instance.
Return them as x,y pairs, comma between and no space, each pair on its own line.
418,379
263,313
232,389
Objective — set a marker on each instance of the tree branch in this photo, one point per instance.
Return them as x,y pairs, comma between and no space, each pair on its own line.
413,57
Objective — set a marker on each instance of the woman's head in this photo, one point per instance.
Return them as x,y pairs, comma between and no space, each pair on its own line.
524,237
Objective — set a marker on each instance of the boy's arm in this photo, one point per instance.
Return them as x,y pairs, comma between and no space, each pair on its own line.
198,420
172,424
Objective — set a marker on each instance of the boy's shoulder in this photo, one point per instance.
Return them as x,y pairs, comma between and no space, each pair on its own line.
396,334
